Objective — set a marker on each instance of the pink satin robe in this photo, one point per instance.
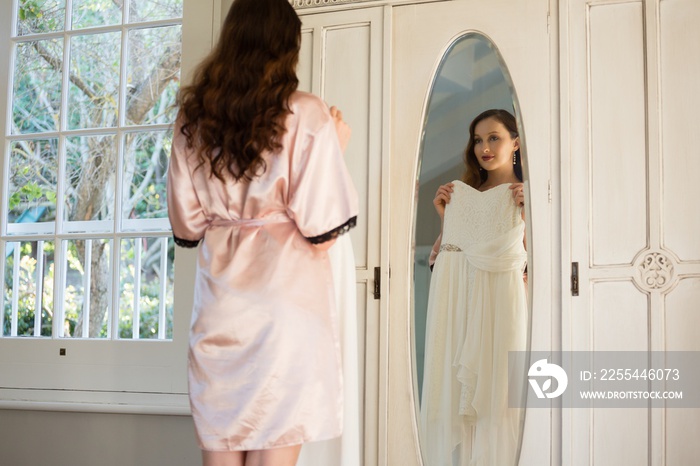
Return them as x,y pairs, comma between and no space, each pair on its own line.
264,358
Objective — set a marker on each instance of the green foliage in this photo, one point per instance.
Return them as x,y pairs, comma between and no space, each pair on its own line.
26,298
90,190
73,293
40,16
32,177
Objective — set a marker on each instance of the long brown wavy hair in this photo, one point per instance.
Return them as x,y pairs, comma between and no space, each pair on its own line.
235,107
474,175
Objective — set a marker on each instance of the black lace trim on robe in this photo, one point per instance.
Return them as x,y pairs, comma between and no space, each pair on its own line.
185,243
334,233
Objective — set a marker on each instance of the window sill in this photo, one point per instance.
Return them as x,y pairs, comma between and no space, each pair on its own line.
95,401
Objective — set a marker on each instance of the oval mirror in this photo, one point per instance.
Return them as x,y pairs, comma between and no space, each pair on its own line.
470,278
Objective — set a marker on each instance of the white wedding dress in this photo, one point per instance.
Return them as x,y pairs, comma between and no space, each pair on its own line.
477,312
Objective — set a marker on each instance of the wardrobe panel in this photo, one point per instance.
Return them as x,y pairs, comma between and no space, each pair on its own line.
641,227
619,436
617,127
617,433
341,61
617,306
682,318
679,71
305,66
680,334
346,84
682,434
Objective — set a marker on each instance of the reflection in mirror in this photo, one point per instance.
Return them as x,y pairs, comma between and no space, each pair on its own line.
470,279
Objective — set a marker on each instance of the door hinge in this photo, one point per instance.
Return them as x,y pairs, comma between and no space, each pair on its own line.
377,282
574,279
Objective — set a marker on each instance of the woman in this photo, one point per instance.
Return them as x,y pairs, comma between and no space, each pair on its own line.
477,310
257,176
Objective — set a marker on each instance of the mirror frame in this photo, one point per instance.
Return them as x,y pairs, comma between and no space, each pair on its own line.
418,158
416,36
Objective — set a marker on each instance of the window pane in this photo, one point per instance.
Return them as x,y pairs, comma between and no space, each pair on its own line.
29,270
88,13
145,170
86,295
90,178
32,181
152,10
94,81
89,194
146,288
153,74
36,16
36,93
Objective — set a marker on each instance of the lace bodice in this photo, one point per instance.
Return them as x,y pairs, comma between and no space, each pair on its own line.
473,216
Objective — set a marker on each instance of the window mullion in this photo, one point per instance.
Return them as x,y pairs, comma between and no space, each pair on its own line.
13,28
119,180
63,124
3,246
88,235
87,270
36,36
15,289
125,11
7,130
136,313
121,142
89,132
69,16
163,287
61,246
113,311
60,266
39,287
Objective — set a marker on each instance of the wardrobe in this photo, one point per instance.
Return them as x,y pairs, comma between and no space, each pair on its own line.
604,90
605,93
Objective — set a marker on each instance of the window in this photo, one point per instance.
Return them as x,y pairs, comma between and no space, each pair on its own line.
85,182
85,241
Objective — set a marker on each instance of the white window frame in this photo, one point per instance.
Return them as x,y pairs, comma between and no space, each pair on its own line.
124,376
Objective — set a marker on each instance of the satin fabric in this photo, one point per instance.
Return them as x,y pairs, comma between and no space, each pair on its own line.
344,450
264,355
477,312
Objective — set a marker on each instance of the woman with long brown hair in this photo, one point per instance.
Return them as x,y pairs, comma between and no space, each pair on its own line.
257,180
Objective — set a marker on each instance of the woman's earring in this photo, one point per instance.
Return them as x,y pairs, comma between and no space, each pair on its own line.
514,162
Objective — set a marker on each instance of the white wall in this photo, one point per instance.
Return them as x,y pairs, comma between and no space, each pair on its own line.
38,438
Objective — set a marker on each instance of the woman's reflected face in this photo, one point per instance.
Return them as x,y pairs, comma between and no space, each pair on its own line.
493,145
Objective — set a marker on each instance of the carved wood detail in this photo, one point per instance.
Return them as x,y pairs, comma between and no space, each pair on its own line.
299,4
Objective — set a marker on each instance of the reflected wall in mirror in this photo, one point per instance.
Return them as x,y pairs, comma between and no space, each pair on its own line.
470,279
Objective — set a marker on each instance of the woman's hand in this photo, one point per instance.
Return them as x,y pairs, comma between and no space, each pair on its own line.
442,198
344,131
518,194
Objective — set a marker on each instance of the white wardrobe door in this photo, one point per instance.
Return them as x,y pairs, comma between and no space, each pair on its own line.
341,61
421,35
634,219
